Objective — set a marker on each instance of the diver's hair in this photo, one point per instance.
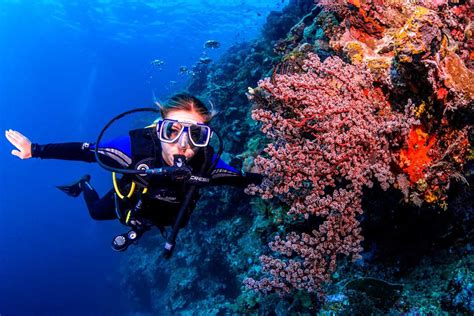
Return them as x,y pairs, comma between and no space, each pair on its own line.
187,102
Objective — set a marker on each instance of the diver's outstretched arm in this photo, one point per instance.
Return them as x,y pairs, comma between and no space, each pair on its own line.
21,142
66,151
116,152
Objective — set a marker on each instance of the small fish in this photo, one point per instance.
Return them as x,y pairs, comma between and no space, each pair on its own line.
183,70
212,44
204,60
157,63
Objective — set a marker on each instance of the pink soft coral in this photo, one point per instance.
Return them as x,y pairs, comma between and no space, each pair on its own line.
331,130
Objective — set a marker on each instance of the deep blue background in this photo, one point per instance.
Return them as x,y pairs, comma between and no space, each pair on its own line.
67,67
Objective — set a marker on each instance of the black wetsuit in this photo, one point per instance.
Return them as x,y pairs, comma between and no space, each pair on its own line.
163,199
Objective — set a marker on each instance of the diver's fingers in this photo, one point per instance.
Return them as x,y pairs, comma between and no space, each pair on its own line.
17,153
11,133
18,139
19,136
22,137
11,139
22,144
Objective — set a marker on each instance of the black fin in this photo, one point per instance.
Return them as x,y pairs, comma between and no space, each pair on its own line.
74,189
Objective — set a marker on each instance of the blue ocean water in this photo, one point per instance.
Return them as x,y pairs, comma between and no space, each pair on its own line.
66,68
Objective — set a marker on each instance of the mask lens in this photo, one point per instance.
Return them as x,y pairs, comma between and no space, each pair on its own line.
199,134
171,130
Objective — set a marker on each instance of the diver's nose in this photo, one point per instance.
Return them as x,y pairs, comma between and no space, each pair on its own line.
183,140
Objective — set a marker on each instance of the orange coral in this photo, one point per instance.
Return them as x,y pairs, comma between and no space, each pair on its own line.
415,158
441,94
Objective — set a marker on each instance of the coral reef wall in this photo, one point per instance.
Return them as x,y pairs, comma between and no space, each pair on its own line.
337,126
365,111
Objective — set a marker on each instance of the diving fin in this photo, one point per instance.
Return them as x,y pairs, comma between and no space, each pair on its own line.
75,188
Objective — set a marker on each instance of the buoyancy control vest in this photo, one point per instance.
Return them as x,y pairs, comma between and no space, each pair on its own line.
163,196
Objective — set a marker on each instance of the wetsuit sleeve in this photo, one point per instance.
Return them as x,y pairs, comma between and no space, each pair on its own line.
115,153
223,174
64,151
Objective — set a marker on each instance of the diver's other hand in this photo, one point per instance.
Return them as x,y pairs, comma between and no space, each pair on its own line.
21,142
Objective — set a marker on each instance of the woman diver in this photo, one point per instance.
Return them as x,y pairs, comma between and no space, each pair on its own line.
175,152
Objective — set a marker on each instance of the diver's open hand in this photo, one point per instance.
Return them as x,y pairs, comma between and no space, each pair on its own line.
21,142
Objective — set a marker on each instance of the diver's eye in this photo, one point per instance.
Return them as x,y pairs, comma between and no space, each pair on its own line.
196,133
171,130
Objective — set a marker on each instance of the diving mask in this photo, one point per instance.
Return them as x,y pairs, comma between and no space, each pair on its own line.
170,131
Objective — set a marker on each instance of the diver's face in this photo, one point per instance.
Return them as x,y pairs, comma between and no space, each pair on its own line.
183,145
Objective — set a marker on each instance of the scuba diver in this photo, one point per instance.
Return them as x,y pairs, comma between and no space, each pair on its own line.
163,167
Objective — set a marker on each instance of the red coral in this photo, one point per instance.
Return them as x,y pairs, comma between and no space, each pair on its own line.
432,163
415,158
